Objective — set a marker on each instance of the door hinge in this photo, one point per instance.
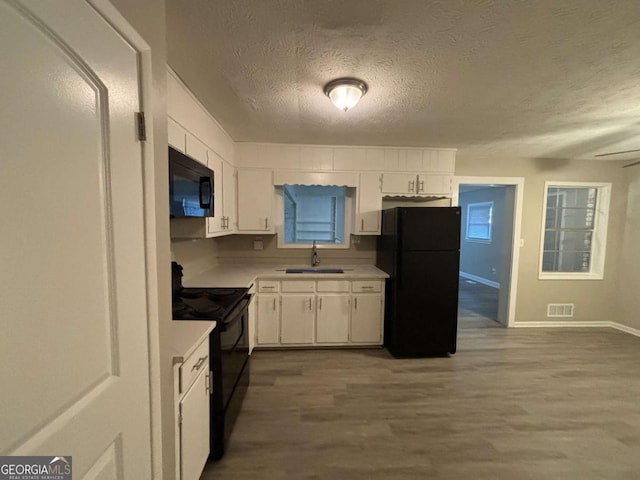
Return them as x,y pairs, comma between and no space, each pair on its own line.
141,126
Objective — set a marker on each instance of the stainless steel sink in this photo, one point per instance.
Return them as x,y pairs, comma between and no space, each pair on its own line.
314,270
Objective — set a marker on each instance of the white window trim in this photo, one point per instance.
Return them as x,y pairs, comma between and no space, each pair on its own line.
474,239
599,244
349,200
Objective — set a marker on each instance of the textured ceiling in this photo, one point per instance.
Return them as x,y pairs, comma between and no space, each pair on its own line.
514,78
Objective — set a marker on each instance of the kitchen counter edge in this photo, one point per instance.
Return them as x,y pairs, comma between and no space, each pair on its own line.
186,335
243,276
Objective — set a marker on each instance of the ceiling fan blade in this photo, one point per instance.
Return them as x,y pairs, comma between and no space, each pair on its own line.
617,153
631,164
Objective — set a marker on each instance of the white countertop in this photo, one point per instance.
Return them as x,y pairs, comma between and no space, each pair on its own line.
186,335
243,275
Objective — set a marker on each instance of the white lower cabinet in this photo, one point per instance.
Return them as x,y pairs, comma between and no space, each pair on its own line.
332,318
192,389
319,312
268,321
194,428
296,319
366,318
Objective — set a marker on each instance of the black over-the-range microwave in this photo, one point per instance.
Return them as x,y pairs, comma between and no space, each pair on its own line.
190,187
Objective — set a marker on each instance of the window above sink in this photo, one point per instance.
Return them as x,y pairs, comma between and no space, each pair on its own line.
320,213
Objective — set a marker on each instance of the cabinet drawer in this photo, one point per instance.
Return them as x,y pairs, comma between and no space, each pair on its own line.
192,366
333,285
365,286
268,286
299,286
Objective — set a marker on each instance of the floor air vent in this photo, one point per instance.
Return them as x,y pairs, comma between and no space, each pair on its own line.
560,310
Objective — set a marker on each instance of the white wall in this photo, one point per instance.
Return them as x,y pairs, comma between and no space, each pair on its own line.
595,300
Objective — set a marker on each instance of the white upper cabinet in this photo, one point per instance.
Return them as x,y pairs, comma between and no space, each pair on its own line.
215,224
192,130
255,199
434,184
229,205
399,183
368,205
411,184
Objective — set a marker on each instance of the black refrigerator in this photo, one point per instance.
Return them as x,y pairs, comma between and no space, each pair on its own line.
420,250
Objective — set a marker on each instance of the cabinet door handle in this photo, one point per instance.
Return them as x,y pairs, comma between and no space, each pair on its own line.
266,223
367,287
274,304
421,186
412,184
320,303
267,287
309,303
210,386
362,224
201,360
355,303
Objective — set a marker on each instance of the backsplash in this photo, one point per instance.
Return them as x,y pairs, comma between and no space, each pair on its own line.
239,249
196,256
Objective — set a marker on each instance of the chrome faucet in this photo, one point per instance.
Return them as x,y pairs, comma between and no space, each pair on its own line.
315,261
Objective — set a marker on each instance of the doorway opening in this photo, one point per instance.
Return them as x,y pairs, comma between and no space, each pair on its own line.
489,247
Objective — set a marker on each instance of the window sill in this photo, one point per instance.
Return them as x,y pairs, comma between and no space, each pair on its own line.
570,276
477,240
320,246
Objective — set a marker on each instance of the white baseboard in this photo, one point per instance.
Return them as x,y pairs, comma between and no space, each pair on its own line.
483,281
569,324
625,328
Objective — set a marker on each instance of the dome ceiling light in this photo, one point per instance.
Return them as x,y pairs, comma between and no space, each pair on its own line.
345,93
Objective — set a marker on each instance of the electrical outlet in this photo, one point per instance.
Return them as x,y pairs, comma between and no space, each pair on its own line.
258,244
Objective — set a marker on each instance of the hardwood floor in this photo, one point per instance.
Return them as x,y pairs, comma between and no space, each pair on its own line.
512,404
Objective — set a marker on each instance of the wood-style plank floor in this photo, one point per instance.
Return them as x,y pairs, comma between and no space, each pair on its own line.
512,404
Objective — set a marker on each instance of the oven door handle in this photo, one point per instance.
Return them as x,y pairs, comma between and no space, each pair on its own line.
234,315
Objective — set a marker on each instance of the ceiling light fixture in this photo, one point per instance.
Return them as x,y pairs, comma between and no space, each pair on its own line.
345,93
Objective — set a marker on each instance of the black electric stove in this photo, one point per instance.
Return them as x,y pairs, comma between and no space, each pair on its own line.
206,303
228,349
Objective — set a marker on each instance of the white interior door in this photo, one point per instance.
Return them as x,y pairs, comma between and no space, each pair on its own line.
74,362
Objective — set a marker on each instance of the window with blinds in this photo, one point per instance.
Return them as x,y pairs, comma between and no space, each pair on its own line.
479,221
